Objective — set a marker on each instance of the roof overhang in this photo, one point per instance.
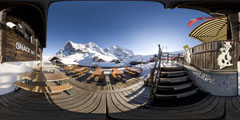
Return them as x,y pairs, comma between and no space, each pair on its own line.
208,6
211,30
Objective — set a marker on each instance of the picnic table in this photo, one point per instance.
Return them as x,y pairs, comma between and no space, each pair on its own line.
116,71
98,72
51,77
43,77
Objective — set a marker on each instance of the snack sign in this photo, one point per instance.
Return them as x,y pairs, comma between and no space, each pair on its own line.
23,48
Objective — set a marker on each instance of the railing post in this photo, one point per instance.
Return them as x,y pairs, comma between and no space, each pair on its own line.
151,83
178,57
167,57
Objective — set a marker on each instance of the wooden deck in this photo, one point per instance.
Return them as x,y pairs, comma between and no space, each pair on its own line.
109,99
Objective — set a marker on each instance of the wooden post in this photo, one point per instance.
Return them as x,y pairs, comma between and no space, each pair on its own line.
178,57
36,45
3,15
151,83
234,26
167,57
238,80
41,59
157,76
152,72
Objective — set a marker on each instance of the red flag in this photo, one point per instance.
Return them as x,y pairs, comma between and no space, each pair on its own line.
197,19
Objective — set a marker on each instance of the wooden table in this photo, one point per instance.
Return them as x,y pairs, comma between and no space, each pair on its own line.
43,77
51,77
118,72
98,72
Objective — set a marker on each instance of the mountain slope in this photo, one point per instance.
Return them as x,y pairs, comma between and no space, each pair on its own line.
90,53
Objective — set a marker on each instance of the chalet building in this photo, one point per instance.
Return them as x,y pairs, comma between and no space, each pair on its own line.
55,60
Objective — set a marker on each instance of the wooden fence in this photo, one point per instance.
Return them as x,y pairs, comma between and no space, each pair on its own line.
170,57
205,55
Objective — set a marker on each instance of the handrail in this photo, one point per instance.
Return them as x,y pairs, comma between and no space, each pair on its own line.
154,79
158,75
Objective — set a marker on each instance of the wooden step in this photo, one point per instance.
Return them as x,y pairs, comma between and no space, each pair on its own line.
174,80
172,68
180,95
173,73
187,93
176,87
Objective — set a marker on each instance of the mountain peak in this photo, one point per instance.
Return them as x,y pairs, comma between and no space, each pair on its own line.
92,49
69,42
91,44
115,46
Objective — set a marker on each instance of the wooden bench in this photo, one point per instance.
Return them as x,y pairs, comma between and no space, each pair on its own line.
133,70
78,70
82,72
68,69
114,75
43,89
101,76
127,71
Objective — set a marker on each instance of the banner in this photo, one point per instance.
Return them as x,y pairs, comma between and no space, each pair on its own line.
197,19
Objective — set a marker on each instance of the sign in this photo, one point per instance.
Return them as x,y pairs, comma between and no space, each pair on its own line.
19,46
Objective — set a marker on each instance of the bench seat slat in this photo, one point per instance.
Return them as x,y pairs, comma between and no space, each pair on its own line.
129,72
41,89
80,73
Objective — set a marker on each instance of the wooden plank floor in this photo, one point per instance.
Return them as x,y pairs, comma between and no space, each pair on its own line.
88,99
109,99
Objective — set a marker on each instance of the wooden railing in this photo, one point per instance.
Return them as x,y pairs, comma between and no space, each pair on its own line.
155,76
170,57
204,56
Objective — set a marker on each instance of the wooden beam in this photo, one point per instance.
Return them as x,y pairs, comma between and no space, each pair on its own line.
2,33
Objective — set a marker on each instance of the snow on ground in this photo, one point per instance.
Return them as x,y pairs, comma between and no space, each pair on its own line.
68,61
84,54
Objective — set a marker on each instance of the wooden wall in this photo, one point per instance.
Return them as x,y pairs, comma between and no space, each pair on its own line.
11,53
12,39
205,55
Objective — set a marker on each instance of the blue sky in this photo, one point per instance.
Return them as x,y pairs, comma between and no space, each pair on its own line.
138,26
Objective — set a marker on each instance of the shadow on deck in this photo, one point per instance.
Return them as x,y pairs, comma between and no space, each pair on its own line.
110,99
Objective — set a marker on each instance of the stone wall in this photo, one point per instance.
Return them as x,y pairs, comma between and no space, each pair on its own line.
215,83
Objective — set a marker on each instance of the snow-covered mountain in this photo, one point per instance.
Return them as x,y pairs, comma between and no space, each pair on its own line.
90,52
119,52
